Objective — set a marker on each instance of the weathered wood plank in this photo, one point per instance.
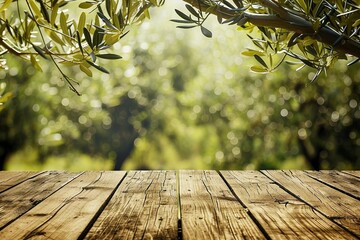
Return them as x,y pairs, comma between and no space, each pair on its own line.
353,173
210,211
66,213
12,178
280,214
143,207
334,204
18,200
341,181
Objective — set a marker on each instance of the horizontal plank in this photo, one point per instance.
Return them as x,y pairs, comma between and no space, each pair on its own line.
9,179
336,205
20,199
281,215
73,207
210,211
143,207
341,181
353,173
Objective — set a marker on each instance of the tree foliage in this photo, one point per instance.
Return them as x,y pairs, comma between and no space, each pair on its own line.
314,33
45,29
170,101
167,104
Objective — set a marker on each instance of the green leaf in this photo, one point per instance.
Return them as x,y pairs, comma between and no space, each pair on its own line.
96,38
308,63
54,13
187,27
87,4
260,60
35,64
108,5
35,9
106,21
55,37
302,5
256,42
259,69
79,42
181,21
40,51
86,70
81,24
183,15
102,69
88,37
63,23
219,18
5,5
251,53
44,11
109,56
206,32
192,10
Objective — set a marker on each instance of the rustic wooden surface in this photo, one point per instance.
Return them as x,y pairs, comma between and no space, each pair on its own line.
181,204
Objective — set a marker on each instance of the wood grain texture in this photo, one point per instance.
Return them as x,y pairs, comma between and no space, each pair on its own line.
21,198
149,204
334,204
280,214
210,211
353,173
143,207
9,179
338,180
66,213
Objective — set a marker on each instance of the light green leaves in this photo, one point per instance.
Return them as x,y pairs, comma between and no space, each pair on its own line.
87,4
5,5
69,33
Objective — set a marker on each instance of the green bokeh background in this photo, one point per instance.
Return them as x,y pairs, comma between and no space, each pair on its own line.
178,100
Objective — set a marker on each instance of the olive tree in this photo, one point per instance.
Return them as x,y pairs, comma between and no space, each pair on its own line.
76,33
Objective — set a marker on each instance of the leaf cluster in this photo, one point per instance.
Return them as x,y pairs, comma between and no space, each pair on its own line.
49,29
196,18
313,33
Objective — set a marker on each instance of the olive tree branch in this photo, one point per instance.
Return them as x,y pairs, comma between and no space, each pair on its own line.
68,80
288,20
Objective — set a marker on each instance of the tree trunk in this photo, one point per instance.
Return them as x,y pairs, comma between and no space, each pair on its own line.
123,153
3,157
313,159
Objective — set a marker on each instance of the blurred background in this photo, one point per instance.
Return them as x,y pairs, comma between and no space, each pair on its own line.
179,100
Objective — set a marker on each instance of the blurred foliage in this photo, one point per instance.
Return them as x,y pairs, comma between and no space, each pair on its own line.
178,100
315,33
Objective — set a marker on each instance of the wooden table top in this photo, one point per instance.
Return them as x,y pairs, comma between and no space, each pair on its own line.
185,204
